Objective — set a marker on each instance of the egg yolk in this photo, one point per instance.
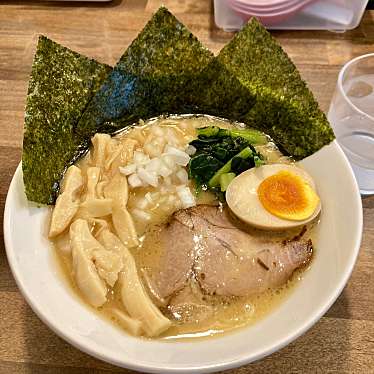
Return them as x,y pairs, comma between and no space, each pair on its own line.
288,196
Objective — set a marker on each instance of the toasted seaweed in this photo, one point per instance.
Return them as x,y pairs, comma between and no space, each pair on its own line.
218,92
214,91
152,77
165,70
62,83
285,108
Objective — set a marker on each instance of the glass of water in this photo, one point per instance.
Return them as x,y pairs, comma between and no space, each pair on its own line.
351,115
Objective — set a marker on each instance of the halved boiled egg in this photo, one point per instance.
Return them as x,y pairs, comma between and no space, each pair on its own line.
275,197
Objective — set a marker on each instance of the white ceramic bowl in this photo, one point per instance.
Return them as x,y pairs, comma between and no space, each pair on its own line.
337,246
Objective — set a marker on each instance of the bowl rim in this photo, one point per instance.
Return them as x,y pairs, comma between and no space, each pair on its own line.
224,365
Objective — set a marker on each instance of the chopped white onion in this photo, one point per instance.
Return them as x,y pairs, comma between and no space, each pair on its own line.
182,175
190,150
155,147
168,161
180,157
140,158
148,177
164,171
128,169
153,165
134,181
186,197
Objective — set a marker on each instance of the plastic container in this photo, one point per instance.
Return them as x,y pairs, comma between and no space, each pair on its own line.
335,15
269,17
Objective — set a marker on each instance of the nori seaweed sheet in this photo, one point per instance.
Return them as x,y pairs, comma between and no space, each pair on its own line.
62,83
214,91
285,108
218,92
154,76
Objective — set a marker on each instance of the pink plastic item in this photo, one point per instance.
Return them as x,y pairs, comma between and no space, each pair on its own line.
266,11
268,8
265,3
268,18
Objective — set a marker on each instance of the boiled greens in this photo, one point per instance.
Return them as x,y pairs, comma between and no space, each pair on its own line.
221,154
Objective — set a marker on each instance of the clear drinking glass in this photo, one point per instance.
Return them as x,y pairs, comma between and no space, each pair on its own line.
351,115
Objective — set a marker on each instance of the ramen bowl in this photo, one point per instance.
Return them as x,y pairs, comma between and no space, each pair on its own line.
337,244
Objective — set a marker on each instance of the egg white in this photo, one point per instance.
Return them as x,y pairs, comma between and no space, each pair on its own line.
242,197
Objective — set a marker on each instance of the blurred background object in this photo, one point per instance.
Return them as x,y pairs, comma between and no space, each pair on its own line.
351,115
337,15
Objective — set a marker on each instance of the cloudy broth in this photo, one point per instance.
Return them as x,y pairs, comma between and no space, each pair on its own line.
225,314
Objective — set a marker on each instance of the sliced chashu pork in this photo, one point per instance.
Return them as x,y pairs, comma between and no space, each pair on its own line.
204,242
177,256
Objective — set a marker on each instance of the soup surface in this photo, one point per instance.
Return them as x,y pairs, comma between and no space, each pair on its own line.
148,207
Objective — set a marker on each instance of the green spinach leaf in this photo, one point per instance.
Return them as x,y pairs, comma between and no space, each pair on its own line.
221,154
